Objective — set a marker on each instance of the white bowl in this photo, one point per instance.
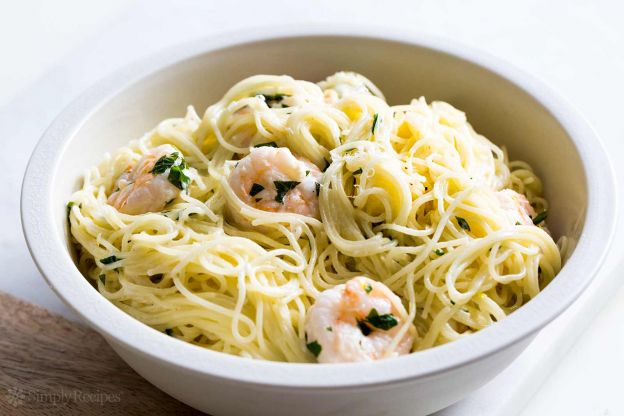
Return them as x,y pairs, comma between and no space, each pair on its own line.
507,106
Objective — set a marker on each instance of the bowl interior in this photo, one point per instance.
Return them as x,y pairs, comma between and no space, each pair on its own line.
496,108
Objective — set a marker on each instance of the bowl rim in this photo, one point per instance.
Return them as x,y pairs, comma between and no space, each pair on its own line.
49,250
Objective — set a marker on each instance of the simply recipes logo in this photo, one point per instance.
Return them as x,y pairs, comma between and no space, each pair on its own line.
16,397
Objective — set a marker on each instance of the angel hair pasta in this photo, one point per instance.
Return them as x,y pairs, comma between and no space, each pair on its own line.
306,222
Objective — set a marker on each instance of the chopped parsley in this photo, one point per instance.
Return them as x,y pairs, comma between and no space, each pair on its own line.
364,328
271,100
307,172
318,188
494,154
463,223
384,322
329,328
282,188
368,288
438,252
156,278
169,331
109,259
268,144
453,303
274,97
357,172
518,223
165,162
314,347
256,188
178,178
375,119
176,165
540,217
70,204
103,279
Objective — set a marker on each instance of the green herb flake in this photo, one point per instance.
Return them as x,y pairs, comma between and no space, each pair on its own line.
178,178
438,252
540,217
268,144
318,188
307,172
364,328
384,322
103,279
463,223
169,331
357,172
156,278
314,347
518,223
329,329
177,166
70,204
375,119
273,99
164,163
282,188
109,259
368,288
256,188
453,303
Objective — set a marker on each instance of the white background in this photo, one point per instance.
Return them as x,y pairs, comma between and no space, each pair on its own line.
52,51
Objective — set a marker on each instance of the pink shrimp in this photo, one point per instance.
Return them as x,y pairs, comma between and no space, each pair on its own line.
517,207
357,321
139,190
272,179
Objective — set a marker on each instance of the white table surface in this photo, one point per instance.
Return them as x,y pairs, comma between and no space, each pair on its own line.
54,50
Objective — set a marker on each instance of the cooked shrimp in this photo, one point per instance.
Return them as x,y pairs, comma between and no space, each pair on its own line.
357,321
139,190
272,179
517,207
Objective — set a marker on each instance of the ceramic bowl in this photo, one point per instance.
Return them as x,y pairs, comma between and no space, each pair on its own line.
509,107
